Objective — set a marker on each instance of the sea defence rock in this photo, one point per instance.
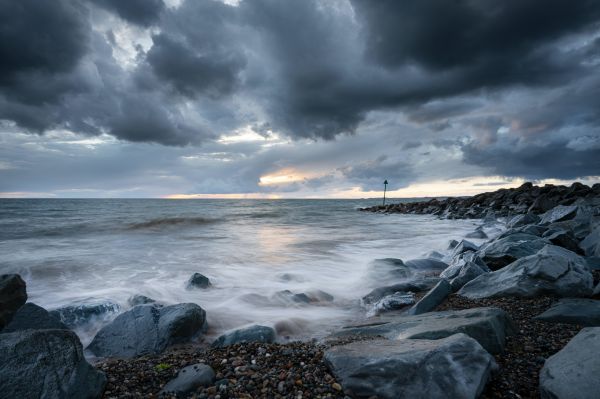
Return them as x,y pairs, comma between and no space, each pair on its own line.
452,367
584,312
149,329
489,326
79,314
13,295
198,280
558,214
426,264
563,238
418,285
573,371
591,243
189,379
523,220
33,317
478,233
387,269
469,271
432,299
395,301
137,299
501,252
254,333
46,364
553,270
464,246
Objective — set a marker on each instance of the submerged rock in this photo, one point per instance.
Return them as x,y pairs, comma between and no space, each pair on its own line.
33,317
137,299
418,285
584,312
254,333
13,295
426,264
453,367
573,371
46,364
432,299
489,326
553,270
478,233
76,315
189,379
149,329
198,280
395,301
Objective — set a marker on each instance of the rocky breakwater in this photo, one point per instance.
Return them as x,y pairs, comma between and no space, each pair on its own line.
501,203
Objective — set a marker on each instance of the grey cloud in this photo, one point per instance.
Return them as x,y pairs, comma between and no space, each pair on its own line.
371,174
140,12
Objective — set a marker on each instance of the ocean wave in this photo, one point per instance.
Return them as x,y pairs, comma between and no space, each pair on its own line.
170,222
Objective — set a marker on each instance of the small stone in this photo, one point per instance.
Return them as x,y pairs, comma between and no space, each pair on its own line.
336,386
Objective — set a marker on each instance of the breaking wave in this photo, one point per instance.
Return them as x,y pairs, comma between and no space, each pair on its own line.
159,223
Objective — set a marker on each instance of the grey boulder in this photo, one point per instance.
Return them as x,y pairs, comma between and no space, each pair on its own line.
464,246
189,379
478,233
417,285
79,314
501,252
254,333
432,299
33,317
559,214
198,280
395,301
137,299
46,364
489,326
564,239
523,220
553,270
469,271
426,264
13,295
573,371
584,312
591,243
453,367
149,329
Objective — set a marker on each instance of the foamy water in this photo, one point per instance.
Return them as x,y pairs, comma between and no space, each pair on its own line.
78,251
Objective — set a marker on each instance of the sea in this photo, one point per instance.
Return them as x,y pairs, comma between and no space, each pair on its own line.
89,251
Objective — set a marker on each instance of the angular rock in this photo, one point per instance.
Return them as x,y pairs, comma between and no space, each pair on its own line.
553,270
452,244
453,367
489,326
189,379
46,364
573,371
523,220
468,272
584,312
149,329
411,286
198,280
395,301
464,246
501,252
591,243
426,264
460,261
563,239
432,299
559,213
254,333
13,295
76,315
33,317
388,268
137,299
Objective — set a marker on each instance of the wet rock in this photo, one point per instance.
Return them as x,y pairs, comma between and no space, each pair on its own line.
501,252
489,326
553,270
464,246
523,220
411,286
388,268
198,280
573,372
426,264
559,213
189,379
319,296
79,314
13,295
395,301
149,329
46,364
432,299
452,244
453,367
591,243
458,263
287,297
468,272
584,312
137,299
33,317
254,333
478,233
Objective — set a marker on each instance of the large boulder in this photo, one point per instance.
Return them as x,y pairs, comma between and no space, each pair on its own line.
395,301
198,280
469,271
489,326
417,285
564,239
553,270
33,317
138,299
13,295
452,367
426,264
432,299
88,312
559,213
523,220
254,333
584,312
478,233
573,371
501,252
149,329
464,246
388,268
46,364
189,379
591,243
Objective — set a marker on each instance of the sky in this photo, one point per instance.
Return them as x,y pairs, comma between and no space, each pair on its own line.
296,99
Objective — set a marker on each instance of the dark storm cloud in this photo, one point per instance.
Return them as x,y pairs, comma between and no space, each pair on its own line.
371,174
140,12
